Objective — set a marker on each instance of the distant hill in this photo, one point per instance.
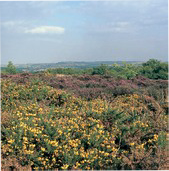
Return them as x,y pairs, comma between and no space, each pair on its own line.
68,64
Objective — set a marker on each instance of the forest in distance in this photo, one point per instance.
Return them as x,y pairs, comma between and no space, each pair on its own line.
104,116
153,68
69,64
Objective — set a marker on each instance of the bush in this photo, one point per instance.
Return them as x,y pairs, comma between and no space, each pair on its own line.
48,128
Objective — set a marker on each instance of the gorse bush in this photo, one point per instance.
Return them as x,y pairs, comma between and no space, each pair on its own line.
49,128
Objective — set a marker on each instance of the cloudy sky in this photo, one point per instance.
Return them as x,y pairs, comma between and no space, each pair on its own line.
53,31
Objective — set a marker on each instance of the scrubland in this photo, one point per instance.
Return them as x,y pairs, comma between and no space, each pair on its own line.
83,122
100,118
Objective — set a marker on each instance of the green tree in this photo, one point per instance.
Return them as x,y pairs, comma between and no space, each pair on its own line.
155,69
152,63
126,71
100,70
11,69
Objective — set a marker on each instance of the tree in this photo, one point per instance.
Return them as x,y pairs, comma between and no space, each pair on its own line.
100,70
155,69
11,69
152,63
125,71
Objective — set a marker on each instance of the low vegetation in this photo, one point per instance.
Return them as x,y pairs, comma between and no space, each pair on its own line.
84,121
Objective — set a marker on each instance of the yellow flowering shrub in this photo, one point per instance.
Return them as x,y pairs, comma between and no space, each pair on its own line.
142,122
52,129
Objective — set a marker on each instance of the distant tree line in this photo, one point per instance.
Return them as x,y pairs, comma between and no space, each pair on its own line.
153,69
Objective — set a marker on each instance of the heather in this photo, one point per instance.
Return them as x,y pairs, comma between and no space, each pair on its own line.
94,86
97,120
51,121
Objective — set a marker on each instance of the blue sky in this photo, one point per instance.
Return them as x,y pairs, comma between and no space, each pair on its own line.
53,31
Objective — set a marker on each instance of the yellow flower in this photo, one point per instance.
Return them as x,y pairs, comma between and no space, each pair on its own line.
25,138
54,160
54,143
76,153
28,152
65,166
106,154
108,146
132,144
43,149
40,158
40,109
155,137
77,164
11,141
32,145
60,132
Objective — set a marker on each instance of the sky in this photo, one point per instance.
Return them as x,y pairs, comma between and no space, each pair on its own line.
55,31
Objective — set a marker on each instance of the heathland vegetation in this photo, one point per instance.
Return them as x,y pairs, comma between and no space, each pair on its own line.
102,118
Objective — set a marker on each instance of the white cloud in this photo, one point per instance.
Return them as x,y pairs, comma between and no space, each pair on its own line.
25,27
46,30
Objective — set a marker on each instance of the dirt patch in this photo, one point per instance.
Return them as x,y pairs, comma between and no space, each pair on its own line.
12,164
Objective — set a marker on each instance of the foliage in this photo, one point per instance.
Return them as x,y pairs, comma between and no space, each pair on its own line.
100,70
49,128
125,71
95,86
11,69
92,87
152,69
69,71
155,69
